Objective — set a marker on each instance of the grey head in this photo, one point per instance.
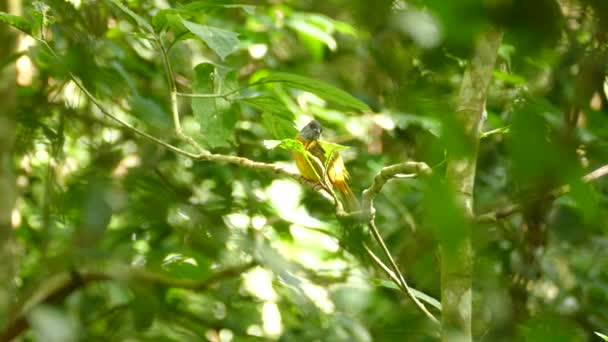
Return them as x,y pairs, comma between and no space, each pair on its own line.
312,131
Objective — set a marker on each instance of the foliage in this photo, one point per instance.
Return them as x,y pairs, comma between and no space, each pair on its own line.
120,238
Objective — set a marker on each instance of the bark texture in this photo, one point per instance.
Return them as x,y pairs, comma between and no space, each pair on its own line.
456,261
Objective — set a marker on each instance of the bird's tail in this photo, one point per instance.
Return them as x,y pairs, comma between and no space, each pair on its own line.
348,197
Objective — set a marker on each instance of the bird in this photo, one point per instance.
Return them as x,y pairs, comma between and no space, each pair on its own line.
336,173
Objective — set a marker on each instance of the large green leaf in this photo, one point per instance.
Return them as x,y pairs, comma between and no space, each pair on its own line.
277,118
316,87
217,116
222,42
16,21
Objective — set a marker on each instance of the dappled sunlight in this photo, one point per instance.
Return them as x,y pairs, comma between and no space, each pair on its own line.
156,179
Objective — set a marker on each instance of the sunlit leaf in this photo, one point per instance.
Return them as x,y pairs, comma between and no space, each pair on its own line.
509,78
222,42
602,336
305,27
287,144
16,21
316,87
329,149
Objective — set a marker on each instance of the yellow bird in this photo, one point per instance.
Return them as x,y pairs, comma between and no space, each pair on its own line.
336,174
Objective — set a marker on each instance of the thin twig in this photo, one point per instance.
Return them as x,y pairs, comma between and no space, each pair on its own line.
225,95
507,211
129,126
386,269
173,99
395,267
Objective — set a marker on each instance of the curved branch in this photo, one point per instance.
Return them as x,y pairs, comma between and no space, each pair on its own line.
394,171
387,173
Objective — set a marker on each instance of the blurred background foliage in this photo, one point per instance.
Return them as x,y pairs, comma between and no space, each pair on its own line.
155,246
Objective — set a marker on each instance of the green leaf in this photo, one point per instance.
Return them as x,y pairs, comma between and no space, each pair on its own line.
167,19
17,22
418,294
426,298
217,116
311,30
222,42
318,88
509,78
277,118
286,144
138,19
329,149
602,336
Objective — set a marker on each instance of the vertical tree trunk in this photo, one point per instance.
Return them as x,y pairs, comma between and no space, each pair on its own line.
456,260
7,179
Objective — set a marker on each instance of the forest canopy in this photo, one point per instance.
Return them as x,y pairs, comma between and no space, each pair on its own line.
161,179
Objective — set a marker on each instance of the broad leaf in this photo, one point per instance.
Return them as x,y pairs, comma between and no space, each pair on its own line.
316,87
217,116
277,118
16,21
222,42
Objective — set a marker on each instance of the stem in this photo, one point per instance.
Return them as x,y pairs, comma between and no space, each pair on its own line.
456,251
507,211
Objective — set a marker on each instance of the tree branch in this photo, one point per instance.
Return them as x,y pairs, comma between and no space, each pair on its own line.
387,173
395,268
412,169
502,213
60,286
455,244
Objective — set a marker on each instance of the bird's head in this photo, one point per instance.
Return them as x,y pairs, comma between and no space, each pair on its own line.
312,131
